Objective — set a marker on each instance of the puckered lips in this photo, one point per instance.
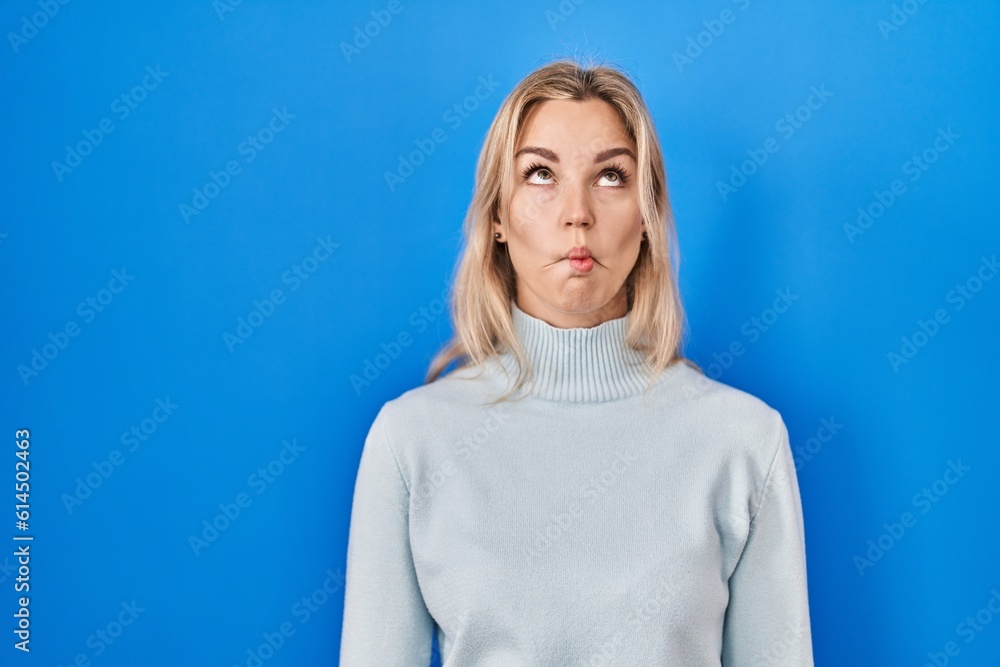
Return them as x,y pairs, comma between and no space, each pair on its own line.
580,260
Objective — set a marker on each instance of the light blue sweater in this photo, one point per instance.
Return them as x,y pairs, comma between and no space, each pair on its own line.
583,524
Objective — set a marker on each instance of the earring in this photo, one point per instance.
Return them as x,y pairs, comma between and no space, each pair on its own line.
645,236
496,235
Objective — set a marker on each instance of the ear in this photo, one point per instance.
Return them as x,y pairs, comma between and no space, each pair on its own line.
497,227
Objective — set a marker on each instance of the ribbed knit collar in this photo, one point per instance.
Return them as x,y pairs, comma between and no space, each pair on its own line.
579,364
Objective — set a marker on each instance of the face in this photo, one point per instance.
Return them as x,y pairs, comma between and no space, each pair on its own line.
574,194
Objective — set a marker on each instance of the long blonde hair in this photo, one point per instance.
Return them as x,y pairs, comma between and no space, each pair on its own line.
485,285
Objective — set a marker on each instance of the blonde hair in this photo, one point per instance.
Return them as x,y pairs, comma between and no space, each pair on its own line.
485,283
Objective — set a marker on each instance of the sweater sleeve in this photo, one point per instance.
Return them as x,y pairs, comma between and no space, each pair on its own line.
767,619
385,620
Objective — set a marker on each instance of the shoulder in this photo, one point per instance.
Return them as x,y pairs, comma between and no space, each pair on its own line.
729,415
734,433
435,406
422,425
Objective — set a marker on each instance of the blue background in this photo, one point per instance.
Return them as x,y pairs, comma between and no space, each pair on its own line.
349,117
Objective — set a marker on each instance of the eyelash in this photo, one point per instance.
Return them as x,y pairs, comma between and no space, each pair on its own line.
617,168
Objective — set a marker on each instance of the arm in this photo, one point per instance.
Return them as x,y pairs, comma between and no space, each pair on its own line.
767,620
385,620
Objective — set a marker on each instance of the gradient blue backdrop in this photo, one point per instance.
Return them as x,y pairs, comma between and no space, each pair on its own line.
293,133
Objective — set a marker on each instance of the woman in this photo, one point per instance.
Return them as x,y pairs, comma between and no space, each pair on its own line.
575,492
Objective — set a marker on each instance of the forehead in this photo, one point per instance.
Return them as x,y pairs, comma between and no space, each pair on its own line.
564,125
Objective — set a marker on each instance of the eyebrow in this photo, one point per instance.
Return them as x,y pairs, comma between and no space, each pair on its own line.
600,157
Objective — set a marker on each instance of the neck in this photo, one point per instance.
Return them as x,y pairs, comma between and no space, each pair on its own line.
578,364
616,307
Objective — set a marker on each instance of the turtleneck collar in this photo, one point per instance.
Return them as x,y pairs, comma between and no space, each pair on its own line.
579,364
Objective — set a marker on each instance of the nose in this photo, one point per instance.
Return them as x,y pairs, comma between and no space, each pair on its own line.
577,209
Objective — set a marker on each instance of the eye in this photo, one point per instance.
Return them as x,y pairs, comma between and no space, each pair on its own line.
614,177
536,171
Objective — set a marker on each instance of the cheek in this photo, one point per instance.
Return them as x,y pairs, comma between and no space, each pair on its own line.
532,205
624,211
625,235
620,205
